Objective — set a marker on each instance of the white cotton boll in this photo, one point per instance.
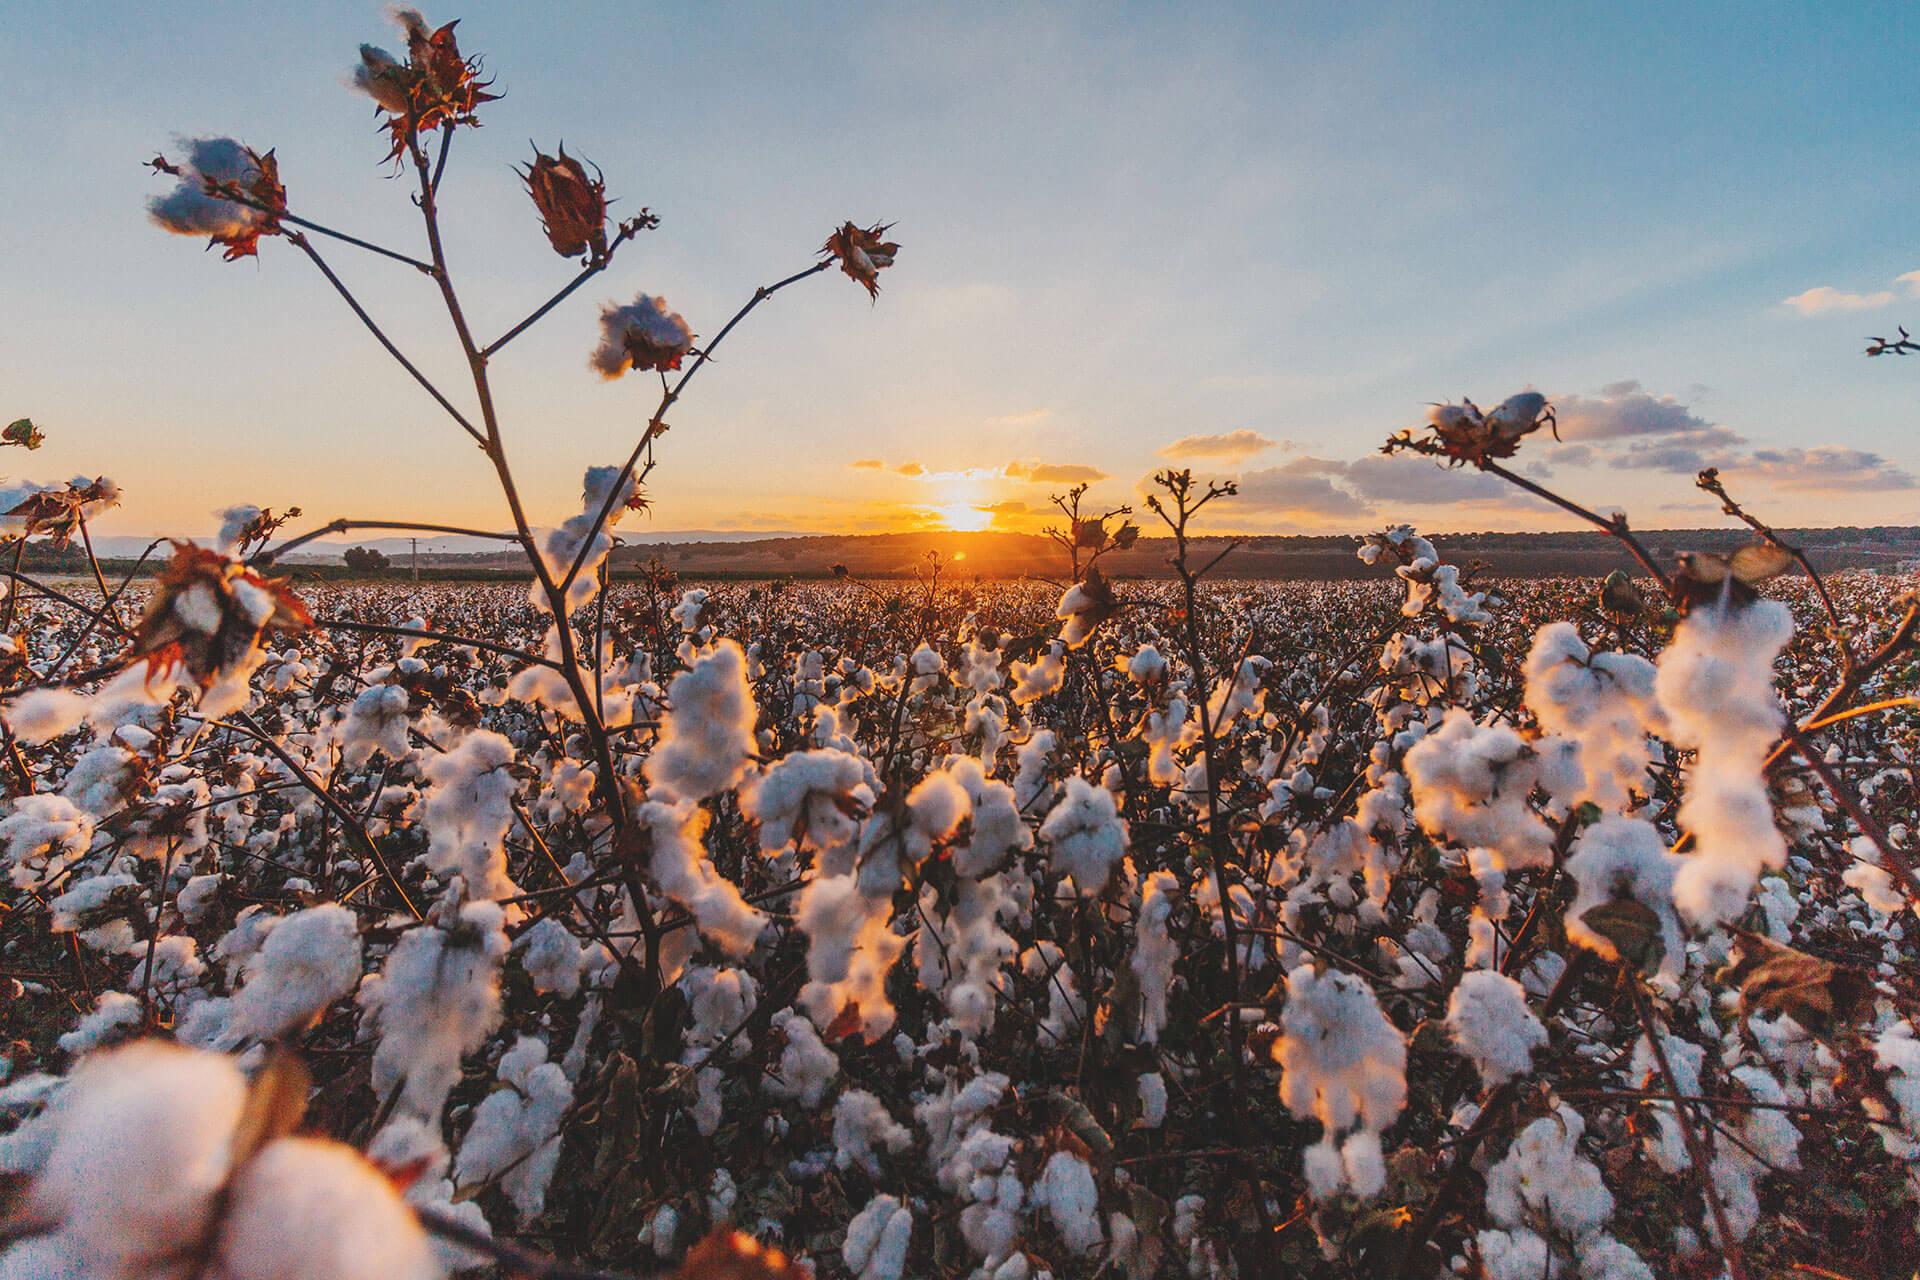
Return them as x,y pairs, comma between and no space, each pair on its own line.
898,841
816,797
1364,1163
1624,859
515,1134
1604,1258
679,865
707,737
1715,686
41,715
644,334
1045,675
307,1209
1320,1166
806,1066
1030,780
1604,702
199,897
1341,1061
376,721
435,1000
103,778
1543,1178
309,960
1490,1022
188,209
1518,1254
1087,835
552,957
851,948
468,809
1471,783
962,952
1067,1192
43,836
862,1128
1154,952
113,1013
1151,1087
139,1148
877,1240
1241,695
997,829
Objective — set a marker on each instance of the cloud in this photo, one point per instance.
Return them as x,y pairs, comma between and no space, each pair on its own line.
1825,469
1682,453
1623,409
1402,480
910,469
1299,488
1826,300
868,464
1233,446
1009,507
1054,473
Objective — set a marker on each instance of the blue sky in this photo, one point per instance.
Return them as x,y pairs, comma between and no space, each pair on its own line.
1122,226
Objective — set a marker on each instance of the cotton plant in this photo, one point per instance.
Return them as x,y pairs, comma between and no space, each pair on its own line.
1074,928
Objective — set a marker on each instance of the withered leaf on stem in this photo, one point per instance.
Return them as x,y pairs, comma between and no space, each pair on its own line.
1818,994
1632,928
276,1103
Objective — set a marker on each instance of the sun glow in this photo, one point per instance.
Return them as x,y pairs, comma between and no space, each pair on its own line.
963,517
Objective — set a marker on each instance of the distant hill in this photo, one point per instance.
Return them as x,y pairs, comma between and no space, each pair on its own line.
999,555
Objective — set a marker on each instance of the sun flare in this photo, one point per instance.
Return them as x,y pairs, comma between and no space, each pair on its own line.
963,517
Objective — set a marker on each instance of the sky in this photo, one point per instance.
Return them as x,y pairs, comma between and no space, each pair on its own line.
1253,240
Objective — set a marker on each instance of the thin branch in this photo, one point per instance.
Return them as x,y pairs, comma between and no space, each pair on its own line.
385,341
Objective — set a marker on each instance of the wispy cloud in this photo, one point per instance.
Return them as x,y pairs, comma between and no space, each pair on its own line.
1054,473
1822,300
1232,445
1825,300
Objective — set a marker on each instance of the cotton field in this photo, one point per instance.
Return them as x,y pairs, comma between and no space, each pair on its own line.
595,923
910,958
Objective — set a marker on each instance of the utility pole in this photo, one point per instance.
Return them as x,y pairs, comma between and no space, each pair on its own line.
416,558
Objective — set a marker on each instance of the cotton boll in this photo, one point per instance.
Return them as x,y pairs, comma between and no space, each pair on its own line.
138,1148
515,1134
1341,1061
435,1000
1604,702
1490,1022
1625,860
679,865
806,1066
1067,1192
818,797
1471,784
307,1209
43,836
1087,835
1544,1179
1154,952
862,1128
708,736
41,715
877,1240
468,810
642,335
552,957
309,960
1715,686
